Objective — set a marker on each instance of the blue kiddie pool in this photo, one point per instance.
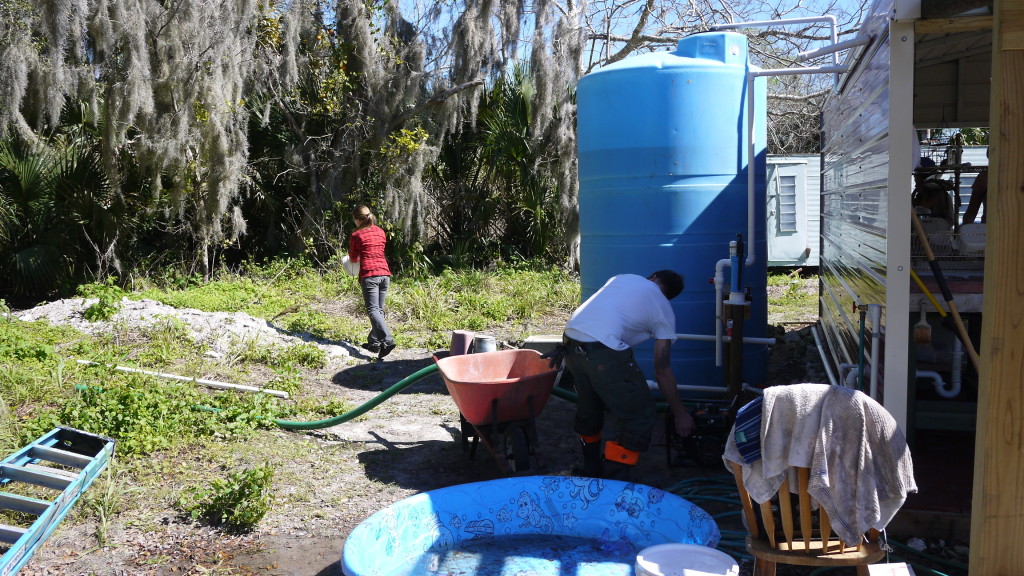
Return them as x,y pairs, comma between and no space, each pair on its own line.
536,525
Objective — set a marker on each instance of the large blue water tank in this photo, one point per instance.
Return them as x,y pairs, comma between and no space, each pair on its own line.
663,184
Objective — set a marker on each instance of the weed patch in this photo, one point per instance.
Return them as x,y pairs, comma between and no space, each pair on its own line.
146,416
237,502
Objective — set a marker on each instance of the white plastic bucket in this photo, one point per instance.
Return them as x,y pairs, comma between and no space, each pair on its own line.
351,268
684,560
484,344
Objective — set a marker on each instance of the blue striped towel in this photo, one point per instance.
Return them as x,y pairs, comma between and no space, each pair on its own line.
747,430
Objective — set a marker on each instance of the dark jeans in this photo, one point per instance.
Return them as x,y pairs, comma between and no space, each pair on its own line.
375,290
610,380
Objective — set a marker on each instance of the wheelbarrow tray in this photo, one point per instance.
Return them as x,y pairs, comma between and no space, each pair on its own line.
514,383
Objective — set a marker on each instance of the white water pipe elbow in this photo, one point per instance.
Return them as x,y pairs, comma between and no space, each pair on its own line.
940,385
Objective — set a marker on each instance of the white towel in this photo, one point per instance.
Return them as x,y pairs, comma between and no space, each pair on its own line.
861,469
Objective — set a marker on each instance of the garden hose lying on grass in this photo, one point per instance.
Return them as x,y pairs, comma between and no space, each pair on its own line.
401,385
363,409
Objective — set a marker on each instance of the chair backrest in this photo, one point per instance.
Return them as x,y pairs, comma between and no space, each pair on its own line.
800,535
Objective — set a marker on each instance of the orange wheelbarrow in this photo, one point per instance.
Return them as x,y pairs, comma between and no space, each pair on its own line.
499,396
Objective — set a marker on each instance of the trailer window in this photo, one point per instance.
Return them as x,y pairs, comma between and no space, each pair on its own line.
787,203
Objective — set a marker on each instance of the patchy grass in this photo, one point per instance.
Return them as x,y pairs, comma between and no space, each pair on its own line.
792,299
168,429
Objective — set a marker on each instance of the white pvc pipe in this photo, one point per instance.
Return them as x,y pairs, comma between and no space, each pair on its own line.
940,384
851,379
832,48
687,387
751,196
834,35
690,387
848,374
824,358
801,70
719,282
750,170
714,337
210,383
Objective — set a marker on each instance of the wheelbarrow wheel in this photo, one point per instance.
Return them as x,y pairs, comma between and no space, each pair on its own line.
517,449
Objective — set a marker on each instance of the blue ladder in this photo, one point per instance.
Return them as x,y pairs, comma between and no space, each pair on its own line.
65,460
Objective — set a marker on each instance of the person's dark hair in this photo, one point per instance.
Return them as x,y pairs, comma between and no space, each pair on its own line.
671,282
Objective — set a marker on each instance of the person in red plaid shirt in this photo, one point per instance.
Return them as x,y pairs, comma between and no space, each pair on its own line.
366,247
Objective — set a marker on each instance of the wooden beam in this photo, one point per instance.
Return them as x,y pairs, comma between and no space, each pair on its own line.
953,25
997,510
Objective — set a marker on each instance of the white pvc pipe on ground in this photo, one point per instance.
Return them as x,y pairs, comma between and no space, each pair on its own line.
203,381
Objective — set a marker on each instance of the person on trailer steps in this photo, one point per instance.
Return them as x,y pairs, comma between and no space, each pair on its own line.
366,246
598,340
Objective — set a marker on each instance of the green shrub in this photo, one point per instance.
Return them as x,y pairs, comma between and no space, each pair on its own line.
237,503
108,302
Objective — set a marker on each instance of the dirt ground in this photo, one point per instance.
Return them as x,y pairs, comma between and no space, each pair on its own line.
329,480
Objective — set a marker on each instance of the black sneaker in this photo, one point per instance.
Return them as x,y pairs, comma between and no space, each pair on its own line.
375,348
386,349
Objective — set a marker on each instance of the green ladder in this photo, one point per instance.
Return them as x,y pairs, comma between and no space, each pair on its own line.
62,463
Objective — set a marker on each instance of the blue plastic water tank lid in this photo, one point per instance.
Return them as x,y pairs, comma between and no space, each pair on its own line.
725,47
707,48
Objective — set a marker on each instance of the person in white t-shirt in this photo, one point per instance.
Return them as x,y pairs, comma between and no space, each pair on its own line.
598,340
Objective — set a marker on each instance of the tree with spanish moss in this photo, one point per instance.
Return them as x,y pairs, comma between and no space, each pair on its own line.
254,124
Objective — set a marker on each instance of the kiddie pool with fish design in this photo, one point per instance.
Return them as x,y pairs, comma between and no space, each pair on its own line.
537,525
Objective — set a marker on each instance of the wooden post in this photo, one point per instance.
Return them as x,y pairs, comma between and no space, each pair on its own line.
997,515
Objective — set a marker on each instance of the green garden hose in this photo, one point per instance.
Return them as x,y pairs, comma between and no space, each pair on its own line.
363,409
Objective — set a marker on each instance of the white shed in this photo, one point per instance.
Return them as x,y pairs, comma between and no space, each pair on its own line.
793,210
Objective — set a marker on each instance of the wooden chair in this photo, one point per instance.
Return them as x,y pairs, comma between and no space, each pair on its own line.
773,537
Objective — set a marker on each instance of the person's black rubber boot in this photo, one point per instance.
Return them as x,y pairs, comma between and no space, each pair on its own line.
617,470
375,348
593,462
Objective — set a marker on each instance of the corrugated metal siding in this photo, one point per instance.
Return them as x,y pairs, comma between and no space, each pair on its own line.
854,216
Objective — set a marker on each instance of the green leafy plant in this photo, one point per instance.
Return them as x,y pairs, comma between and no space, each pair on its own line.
146,416
18,344
237,502
287,379
108,302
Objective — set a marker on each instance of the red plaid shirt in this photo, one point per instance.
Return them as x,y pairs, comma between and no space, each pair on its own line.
366,246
